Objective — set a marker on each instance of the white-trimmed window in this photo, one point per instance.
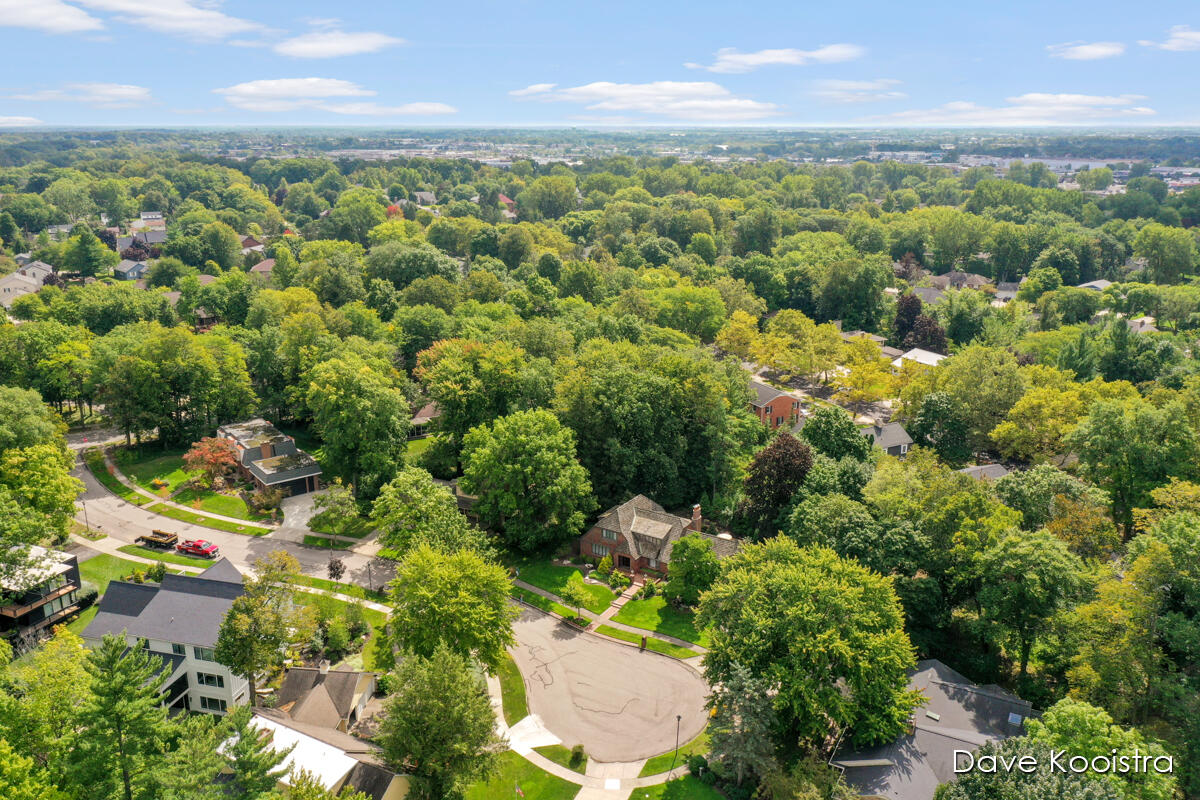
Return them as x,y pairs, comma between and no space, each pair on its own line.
212,704
610,535
208,679
601,550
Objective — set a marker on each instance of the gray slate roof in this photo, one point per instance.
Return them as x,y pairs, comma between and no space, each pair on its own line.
928,294
186,609
988,471
959,715
763,393
888,435
648,531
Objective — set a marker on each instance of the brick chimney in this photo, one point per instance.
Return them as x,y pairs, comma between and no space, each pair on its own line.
697,519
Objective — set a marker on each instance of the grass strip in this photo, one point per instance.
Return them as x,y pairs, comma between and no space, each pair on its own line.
562,756
166,556
208,522
658,646
95,463
349,589
512,691
545,604
662,763
327,543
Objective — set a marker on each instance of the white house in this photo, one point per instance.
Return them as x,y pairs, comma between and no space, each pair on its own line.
178,621
926,357
15,285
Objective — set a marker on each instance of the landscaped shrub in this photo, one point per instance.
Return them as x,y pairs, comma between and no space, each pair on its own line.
618,580
156,571
87,595
578,756
605,566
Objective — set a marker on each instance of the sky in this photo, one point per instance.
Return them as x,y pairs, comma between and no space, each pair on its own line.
520,63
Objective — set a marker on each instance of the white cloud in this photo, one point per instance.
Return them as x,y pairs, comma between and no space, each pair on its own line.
290,94
693,101
195,19
334,43
729,59
839,91
1034,108
536,88
1085,51
50,16
17,122
106,95
377,110
1181,37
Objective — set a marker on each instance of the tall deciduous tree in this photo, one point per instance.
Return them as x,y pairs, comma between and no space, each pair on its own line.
529,484
774,600
694,567
832,432
411,510
21,780
774,476
439,726
459,601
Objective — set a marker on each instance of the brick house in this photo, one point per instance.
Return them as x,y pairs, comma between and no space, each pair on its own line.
639,536
773,406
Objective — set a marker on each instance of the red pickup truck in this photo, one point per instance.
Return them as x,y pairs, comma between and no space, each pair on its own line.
198,547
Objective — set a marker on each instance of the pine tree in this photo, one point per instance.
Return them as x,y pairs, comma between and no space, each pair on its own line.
253,759
740,729
191,769
122,726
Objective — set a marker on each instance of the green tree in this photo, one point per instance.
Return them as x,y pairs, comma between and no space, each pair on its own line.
1027,579
574,594
1040,784
1170,253
740,726
20,780
773,600
831,432
221,243
458,600
306,786
87,255
191,768
337,509
411,510
439,726
694,567
363,420
529,485
122,727
252,758
773,477
940,426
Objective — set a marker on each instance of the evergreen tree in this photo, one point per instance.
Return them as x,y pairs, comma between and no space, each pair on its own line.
740,726
252,758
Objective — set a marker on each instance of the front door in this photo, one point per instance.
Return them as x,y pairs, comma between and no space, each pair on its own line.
623,561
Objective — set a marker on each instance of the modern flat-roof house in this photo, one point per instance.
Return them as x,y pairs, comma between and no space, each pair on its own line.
890,437
639,536
45,592
774,407
925,357
178,620
337,760
959,715
330,698
270,459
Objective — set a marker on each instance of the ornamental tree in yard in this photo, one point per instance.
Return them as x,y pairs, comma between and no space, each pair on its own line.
775,474
827,633
530,486
212,457
694,567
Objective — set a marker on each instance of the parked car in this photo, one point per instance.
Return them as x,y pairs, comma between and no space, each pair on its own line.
157,538
198,547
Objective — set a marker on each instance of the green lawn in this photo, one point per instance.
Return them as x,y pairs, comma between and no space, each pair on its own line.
372,659
351,589
656,614
95,463
415,448
562,756
662,763
80,623
166,556
512,691
327,543
208,522
216,503
552,578
545,604
666,648
685,788
149,462
101,569
513,771
355,530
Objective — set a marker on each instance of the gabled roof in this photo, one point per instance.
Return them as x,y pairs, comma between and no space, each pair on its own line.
186,609
926,357
319,698
958,715
264,267
126,266
1098,285
985,471
763,393
928,294
888,435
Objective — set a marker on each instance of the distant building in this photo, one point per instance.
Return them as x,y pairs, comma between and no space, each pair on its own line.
774,407
178,621
926,357
889,437
270,459
331,698
957,279
928,294
38,270
45,592
16,285
957,715
425,198
1006,291
1098,285
988,472
263,268
131,270
1142,325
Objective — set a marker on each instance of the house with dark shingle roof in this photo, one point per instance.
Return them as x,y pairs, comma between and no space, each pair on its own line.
178,621
774,407
639,535
270,459
330,698
988,472
889,437
957,715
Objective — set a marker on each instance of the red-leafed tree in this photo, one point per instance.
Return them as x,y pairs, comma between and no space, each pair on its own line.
212,457
775,474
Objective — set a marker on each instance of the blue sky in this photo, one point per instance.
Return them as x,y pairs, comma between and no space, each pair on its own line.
518,63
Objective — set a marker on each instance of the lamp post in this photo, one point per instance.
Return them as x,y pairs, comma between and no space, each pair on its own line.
678,719
86,524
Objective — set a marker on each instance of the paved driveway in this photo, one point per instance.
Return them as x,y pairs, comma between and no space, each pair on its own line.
619,703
